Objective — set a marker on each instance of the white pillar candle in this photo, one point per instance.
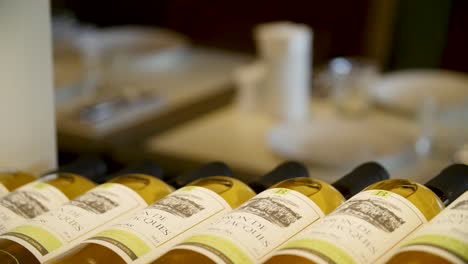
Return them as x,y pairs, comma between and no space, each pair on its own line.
27,134
285,48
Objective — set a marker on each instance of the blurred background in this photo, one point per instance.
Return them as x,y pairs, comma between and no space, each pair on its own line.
253,83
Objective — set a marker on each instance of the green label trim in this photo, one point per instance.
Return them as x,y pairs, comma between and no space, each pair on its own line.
381,193
132,245
37,237
325,250
187,188
40,185
280,190
450,244
223,248
106,185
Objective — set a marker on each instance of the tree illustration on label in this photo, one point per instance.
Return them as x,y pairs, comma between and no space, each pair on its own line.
271,210
94,202
177,205
462,205
24,203
374,212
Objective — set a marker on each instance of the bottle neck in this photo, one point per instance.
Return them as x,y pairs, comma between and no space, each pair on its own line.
450,183
359,178
440,193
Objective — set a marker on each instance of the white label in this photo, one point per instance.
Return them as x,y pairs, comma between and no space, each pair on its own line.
446,234
250,233
56,231
27,202
3,190
361,230
149,233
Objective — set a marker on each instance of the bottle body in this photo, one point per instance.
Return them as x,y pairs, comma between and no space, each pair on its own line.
367,226
151,231
11,179
40,196
56,231
443,240
251,232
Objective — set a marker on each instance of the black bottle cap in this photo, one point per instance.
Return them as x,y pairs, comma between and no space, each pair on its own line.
450,183
360,177
146,167
90,167
215,168
284,171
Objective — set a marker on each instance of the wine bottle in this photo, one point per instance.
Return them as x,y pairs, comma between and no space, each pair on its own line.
56,231
46,193
11,179
151,232
252,232
445,238
371,223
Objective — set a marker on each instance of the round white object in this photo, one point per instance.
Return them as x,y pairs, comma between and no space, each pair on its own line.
341,143
405,91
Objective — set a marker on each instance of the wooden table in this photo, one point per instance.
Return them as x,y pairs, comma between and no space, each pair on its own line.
240,140
195,85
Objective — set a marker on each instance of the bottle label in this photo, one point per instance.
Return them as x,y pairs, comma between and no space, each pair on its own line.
250,233
446,234
56,231
149,233
3,190
360,231
28,202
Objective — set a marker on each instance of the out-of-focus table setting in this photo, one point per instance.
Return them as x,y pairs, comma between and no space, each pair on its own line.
154,95
111,83
414,122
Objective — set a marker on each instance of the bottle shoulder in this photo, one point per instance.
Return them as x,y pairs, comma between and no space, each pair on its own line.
323,194
14,179
419,195
305,185
234,191
69,184
148,187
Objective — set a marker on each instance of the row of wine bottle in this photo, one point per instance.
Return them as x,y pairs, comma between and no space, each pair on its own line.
135,217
